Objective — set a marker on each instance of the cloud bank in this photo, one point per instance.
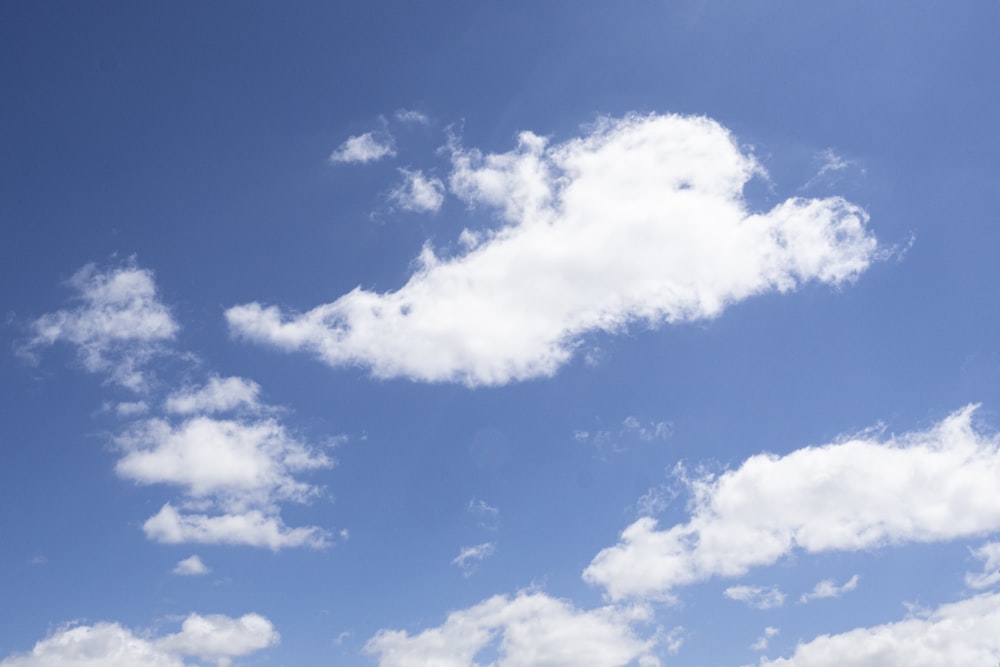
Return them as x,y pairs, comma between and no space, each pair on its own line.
215,638
926,486
960,633
641,220
528,630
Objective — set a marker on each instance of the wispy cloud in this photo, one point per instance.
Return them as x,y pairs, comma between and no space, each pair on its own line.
764,639
217,395
989,553
829,589
469,557
487,515
367,147
758,597
411,116
117,328
418,193
845,496
640,220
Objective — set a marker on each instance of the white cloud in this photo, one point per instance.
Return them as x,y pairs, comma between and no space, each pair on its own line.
418,193
830,162
926,486
762,641
366,147
529,630
220,638
191,566
758,597
118,326
642,220
237,463
131,408
655,500
990,555
412,116
253,528
489,516
829,589
960,633
238,469
468,556
652,431
215,638
218,395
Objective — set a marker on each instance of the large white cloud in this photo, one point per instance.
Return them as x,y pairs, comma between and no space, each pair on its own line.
642,220
118,326
214,637
528,630
965,633
926,486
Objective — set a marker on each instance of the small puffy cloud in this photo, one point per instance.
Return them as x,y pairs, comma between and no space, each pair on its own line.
528,630
990,555
191,566
215,638
220,638
418,193
639,221
367,147
764,639
217,395
829,589
927,486
960,633
468,557
758,597
237,463
254,528
118,325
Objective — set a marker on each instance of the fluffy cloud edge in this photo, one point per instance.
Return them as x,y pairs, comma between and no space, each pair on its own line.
966,632
213,637
528,628
926,486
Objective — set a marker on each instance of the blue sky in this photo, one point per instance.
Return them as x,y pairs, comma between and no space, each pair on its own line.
516,334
